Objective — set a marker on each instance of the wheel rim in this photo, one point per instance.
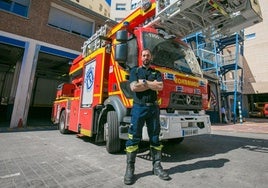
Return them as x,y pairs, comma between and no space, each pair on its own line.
106,131
61,125
62,118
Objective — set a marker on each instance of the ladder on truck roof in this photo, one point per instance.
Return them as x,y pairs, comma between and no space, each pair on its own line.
95,41
212,17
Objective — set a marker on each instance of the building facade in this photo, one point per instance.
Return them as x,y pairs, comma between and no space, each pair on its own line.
122,8
99,6
255,76
256,47
38,40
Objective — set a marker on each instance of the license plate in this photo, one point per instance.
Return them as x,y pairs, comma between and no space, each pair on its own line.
189,132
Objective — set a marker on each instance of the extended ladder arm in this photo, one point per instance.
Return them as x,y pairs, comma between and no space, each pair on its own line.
137,18
184,17
224,17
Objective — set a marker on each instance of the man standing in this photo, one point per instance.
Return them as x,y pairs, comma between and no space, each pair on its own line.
144,82
223,114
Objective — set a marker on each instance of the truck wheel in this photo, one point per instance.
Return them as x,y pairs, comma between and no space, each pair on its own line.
112,133
62,126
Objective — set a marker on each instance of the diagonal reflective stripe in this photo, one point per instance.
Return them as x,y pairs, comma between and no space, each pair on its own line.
131,149
159,148
130,136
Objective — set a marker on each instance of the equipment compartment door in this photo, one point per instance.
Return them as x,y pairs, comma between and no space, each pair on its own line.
88,86
93,92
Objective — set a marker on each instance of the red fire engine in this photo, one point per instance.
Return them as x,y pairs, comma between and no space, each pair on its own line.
98,100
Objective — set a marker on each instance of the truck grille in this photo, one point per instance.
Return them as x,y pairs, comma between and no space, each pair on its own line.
180,101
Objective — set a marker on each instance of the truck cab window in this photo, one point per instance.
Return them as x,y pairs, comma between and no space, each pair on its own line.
132,59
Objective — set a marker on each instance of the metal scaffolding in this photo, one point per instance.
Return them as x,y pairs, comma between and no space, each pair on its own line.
223,58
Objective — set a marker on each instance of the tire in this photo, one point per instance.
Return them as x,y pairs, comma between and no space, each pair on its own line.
62,123
113,143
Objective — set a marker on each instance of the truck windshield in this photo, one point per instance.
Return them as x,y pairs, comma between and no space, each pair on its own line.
171,54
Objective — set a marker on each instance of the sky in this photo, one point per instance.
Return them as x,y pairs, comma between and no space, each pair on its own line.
108,1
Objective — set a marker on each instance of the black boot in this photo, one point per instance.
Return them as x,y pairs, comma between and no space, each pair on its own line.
157,168
129,178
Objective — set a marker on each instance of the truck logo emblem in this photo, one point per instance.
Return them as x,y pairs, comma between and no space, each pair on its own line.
188,99
89,78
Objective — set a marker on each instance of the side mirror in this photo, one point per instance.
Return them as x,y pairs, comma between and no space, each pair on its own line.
122,36
121,52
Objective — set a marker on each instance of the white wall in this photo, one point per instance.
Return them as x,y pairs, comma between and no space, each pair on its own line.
120,14
45,92
256,51
95,6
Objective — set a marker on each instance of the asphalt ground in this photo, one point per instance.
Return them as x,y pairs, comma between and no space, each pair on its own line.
250,125
39,156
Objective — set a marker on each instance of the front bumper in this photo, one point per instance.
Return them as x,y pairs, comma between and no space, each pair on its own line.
177,126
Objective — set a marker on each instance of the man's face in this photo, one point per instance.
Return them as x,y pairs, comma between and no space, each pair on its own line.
146,57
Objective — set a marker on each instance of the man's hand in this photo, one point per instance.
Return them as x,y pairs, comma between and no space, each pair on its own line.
139,86
143,85
155,85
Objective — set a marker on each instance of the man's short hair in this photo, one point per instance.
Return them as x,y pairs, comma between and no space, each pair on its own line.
147,49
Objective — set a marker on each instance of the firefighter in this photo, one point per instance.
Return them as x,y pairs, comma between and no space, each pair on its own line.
144,82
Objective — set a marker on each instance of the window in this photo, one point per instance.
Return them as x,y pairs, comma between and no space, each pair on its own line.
132,59
135,5
120,6
19,7
70,23
100,8
250,36
105,12
171,54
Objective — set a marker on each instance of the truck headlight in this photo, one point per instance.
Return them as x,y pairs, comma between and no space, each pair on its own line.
163,122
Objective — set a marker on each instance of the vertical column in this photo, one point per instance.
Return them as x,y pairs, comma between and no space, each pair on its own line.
13,89
240,112
230,111
25,84
236,77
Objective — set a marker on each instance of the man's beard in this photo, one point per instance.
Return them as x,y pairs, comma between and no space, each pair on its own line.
146,62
